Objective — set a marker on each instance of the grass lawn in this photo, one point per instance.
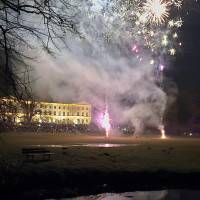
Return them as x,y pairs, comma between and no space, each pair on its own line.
142,154
144,164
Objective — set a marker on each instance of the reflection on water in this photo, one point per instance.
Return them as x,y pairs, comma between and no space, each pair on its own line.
150,195
105,145
108,145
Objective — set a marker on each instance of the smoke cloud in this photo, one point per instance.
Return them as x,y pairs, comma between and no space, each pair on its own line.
100,68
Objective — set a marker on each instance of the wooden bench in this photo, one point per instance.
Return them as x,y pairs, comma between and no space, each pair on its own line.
41,153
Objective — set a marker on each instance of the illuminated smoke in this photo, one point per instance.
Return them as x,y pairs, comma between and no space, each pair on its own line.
118,52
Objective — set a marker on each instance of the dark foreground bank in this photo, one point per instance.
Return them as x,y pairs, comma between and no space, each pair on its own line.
77,169
50,184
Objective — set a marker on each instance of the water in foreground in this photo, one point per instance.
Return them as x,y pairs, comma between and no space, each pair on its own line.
147,195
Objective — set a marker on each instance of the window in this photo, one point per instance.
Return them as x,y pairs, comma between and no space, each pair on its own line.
86,121
82,121
59,107
59,114
54,107
64,107
63,113
77,113
78,121
49,112
82,113
54,112
86,108
50,107
86,114
82,108
67,113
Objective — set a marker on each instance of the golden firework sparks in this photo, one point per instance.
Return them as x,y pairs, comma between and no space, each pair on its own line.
157,10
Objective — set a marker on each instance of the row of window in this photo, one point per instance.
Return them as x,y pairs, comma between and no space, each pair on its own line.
63,113
64,107
79,121
68,121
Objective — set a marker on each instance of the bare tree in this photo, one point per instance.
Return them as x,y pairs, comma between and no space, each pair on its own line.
23,22
25,25
25,98
8,113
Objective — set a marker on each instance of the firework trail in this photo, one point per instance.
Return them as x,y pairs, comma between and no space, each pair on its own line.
105,121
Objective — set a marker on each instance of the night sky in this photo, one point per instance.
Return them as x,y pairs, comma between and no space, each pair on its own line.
185,71
186,67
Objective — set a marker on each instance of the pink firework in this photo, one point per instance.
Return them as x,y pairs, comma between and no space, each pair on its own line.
105,122
161,67
135,49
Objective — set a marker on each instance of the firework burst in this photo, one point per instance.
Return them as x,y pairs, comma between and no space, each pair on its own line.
156,11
